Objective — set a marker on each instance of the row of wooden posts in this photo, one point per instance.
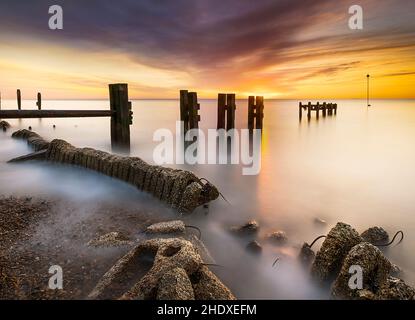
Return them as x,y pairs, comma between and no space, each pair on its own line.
326,108
121,113
189,111
19,100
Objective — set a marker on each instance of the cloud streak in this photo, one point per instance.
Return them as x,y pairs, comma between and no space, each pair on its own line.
220,42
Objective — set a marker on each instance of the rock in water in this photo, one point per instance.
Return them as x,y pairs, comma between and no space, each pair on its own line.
306,255
334,249
207,286
396,289
4,125
112,239
277,237
254,247
375,236
171,254
176,226
374,266
175,285
250,227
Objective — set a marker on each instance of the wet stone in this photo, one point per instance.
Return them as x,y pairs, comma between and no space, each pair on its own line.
176,226
375,236
254,247
306,255
277,237
112,239
251,227
374,266
334,249
175,285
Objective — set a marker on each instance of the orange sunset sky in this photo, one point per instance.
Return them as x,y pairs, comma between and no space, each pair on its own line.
279,49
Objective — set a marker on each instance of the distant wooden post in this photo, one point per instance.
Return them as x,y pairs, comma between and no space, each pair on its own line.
194,108
189,110
309,110
318,110
39,101
259,112
335,109
19,100
184,110
255,112
251,112
121,117
221,111
300,110
324,109
230,111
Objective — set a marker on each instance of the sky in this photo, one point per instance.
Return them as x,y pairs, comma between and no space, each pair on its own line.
282,49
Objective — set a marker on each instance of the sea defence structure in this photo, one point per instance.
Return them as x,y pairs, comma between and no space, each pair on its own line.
190,107
180,189
120,113
325,108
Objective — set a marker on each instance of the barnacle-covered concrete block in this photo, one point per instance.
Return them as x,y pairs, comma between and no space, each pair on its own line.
180,189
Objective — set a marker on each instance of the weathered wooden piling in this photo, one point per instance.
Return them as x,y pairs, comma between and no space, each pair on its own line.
221,111
189,109
230,111
226,111
255,112
194,108
39,101
19,100
121,117
184,111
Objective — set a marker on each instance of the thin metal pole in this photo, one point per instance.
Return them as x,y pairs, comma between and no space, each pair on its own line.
368,76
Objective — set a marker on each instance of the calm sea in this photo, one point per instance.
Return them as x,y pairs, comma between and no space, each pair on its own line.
357,167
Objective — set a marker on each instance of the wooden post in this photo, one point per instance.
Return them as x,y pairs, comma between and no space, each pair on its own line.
221,111
324,109
259,112
335,109
251,112
300,110
230,111
194,107
318,110
309,110
184,108
121,118
39,101
19,100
